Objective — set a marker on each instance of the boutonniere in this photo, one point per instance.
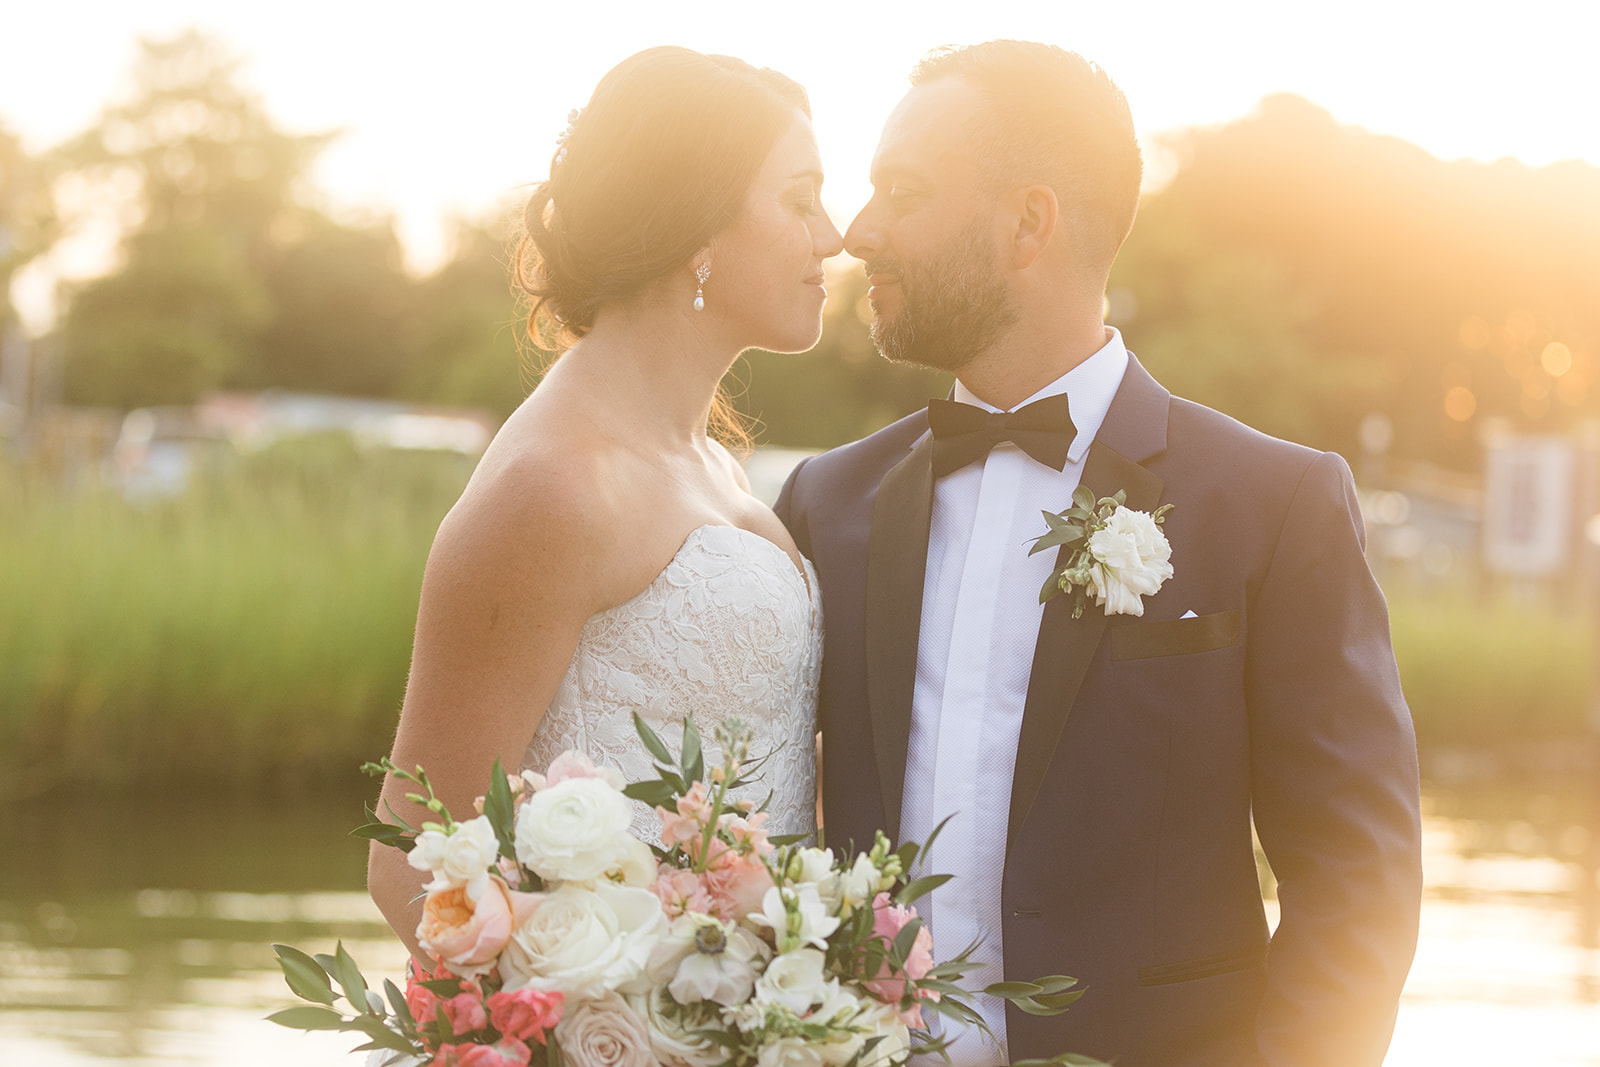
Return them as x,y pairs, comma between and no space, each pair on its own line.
1119,556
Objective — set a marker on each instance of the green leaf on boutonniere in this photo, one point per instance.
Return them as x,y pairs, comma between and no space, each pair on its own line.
1083,497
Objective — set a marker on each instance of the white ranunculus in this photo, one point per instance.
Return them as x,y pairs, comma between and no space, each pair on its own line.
574,831
584,942
793,981
796,915
605,1033
460,858
789,1052
1132,560
672,1031
637,864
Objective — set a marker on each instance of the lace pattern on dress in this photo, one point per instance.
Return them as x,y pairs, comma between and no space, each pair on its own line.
728,629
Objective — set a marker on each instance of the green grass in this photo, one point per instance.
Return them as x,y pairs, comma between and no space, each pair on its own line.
258,627
1482,670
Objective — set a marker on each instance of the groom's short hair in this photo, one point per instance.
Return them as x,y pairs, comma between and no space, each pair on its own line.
1052,117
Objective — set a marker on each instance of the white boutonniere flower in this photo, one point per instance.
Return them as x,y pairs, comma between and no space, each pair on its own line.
1117,555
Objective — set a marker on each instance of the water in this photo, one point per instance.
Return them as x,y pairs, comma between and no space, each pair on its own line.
140,934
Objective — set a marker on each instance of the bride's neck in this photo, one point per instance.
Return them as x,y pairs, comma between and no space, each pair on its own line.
657,367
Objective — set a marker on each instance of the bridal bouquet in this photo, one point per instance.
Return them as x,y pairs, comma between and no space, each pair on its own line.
561,939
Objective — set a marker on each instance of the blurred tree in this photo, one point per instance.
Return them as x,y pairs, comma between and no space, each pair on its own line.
467,335
177,320
28,221
1300,274
228,277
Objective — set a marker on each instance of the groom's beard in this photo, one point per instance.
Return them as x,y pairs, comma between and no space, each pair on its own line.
954,304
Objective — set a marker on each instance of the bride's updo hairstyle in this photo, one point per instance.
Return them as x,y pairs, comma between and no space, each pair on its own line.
661,159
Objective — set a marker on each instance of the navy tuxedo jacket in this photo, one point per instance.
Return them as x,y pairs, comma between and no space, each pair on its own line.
1147,743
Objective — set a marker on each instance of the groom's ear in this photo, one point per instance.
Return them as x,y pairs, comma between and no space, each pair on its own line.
1036,213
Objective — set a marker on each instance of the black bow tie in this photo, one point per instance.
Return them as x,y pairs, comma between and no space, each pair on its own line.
964,434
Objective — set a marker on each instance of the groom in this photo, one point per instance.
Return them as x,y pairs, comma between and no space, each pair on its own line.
1102,771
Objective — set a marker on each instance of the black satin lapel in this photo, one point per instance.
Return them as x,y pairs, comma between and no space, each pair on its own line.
897,558
1066,646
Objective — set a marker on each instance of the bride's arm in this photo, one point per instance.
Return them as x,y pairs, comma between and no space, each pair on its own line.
516,569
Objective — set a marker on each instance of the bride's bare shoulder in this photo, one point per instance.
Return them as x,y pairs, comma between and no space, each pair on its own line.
544,505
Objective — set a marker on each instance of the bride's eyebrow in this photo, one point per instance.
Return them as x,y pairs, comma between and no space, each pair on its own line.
814,175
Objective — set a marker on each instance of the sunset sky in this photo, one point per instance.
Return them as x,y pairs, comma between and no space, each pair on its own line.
447,109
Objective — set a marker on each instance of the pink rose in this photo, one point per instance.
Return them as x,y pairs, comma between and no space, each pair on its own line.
468,935
681,891
464,1012
419,999
525,1013
573,764
503,1054
887,922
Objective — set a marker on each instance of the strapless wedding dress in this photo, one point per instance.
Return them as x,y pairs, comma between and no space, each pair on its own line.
731,628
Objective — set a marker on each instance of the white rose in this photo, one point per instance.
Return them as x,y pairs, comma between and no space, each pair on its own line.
673,1031
796,916
460,858
583,942
605,1033
793,981
574,831
789,1052
1131,555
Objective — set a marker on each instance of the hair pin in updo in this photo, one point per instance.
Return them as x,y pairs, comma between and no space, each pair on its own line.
561,139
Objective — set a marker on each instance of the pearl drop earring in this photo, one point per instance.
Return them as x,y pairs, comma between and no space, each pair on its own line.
701,273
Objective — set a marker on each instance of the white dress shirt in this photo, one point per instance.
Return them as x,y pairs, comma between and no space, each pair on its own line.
980,621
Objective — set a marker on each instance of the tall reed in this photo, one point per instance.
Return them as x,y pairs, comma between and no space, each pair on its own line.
258,626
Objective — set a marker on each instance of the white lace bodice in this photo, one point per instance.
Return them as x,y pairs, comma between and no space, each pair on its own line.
729,628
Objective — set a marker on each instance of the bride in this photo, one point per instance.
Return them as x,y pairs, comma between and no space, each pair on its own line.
607,555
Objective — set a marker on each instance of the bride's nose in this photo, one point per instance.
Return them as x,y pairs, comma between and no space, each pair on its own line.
826,238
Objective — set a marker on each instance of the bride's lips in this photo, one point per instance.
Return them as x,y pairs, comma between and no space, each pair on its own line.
817,280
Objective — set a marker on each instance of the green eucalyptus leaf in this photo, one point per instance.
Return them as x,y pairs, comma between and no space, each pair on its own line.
349,977
402,1010
657,794
501,808
1010,990
1083,497
905,940
444,988
1051,588
692,761
305,977
1060,1001
308,1019
652,741
921,887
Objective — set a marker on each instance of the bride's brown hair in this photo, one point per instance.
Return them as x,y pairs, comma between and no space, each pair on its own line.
661,159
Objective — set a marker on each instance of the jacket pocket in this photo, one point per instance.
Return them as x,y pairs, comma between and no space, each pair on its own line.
1206,967
1175,637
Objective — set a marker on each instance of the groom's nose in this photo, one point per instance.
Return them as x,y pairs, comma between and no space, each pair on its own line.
864,238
